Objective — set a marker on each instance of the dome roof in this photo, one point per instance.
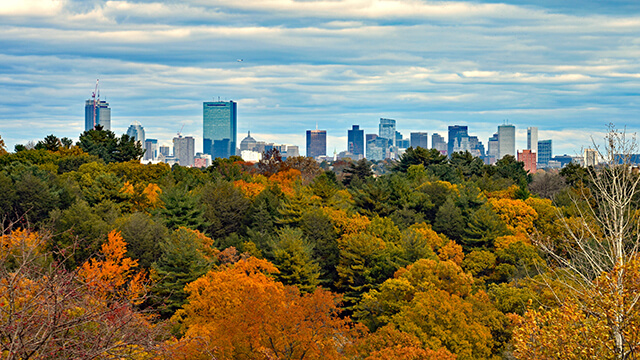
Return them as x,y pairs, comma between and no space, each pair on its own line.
248,143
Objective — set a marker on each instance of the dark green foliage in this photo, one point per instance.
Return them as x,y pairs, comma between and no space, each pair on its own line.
292,255
319,231
183,260
50,143
372,199
419,156
8,197
509,168
35,196
483,227
224,208
105,145
449,220
143,236
360,170
325,186
181,209
574,173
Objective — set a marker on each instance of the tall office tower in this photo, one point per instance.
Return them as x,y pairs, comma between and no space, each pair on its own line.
219,124
532,140
506,141
476,148
184,150
151,149
544,153
590,157
438,143
165,150
419,139
103,114
387,130
136,131
355,141
492,146
316,143
529,159
456,135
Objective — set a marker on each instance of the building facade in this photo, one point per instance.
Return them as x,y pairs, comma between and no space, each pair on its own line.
316,143
103,115
438,143
528,157
419,139
458,139
184,150
532,140
545,151
355,141
506,141
219,128
136,131
150,149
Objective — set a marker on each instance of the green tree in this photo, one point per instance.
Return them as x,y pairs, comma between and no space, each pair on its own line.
143,235
225,208
182,208
419,156
449,220
360,170
108,147
292,255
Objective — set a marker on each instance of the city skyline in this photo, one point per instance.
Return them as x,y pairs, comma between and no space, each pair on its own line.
568,68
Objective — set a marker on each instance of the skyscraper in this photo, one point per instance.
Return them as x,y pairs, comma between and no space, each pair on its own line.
532,140
590,157
103,114
219,128
184,150
136,131
151,149
458,136
545,151
506,141
419,139
387,130
316,143
438,143
355,141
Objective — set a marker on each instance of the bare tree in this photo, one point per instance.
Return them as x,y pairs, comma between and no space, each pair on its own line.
596,263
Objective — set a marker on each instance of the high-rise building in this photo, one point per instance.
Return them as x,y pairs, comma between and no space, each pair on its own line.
136,131
248,143
151,149
458,139
184,150
219,123
545,151
103,115
438,143
506,141
590,157
165,150
529,159
387,130
532,140
492,146
355,141
419,139
316,143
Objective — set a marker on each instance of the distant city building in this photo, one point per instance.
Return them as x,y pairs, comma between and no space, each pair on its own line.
103,114
184,150
403,144
377,148
202,160
529,159
248,143
136,131
316,143
532,140
544,153
458,139
292,151
387,130
419,139
150,149
492,147
590,157
506,140
220,123
438,143
355,141
165,150
563,159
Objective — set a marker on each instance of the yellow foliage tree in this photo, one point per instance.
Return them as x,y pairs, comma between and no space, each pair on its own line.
517,215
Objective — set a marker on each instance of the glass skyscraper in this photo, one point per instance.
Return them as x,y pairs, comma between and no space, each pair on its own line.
103,115
419,139
355,140
136,131
545,152
220,126
316,143
458,139
506,141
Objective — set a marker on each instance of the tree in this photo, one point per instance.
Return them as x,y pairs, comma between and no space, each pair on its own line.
547,185
108,147
596,271
181,209
359,170
292,255
240,312
50,143
419,156
225,208
3,147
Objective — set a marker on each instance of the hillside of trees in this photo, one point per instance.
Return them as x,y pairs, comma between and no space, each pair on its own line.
427,257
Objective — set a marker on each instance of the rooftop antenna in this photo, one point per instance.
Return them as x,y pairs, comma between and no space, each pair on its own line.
95,104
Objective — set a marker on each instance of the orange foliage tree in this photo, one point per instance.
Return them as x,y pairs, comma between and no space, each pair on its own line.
240,312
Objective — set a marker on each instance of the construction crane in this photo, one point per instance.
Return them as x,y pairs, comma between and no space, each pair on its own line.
95,102
180,132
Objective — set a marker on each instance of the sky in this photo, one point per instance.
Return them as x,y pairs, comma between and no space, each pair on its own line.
567,67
